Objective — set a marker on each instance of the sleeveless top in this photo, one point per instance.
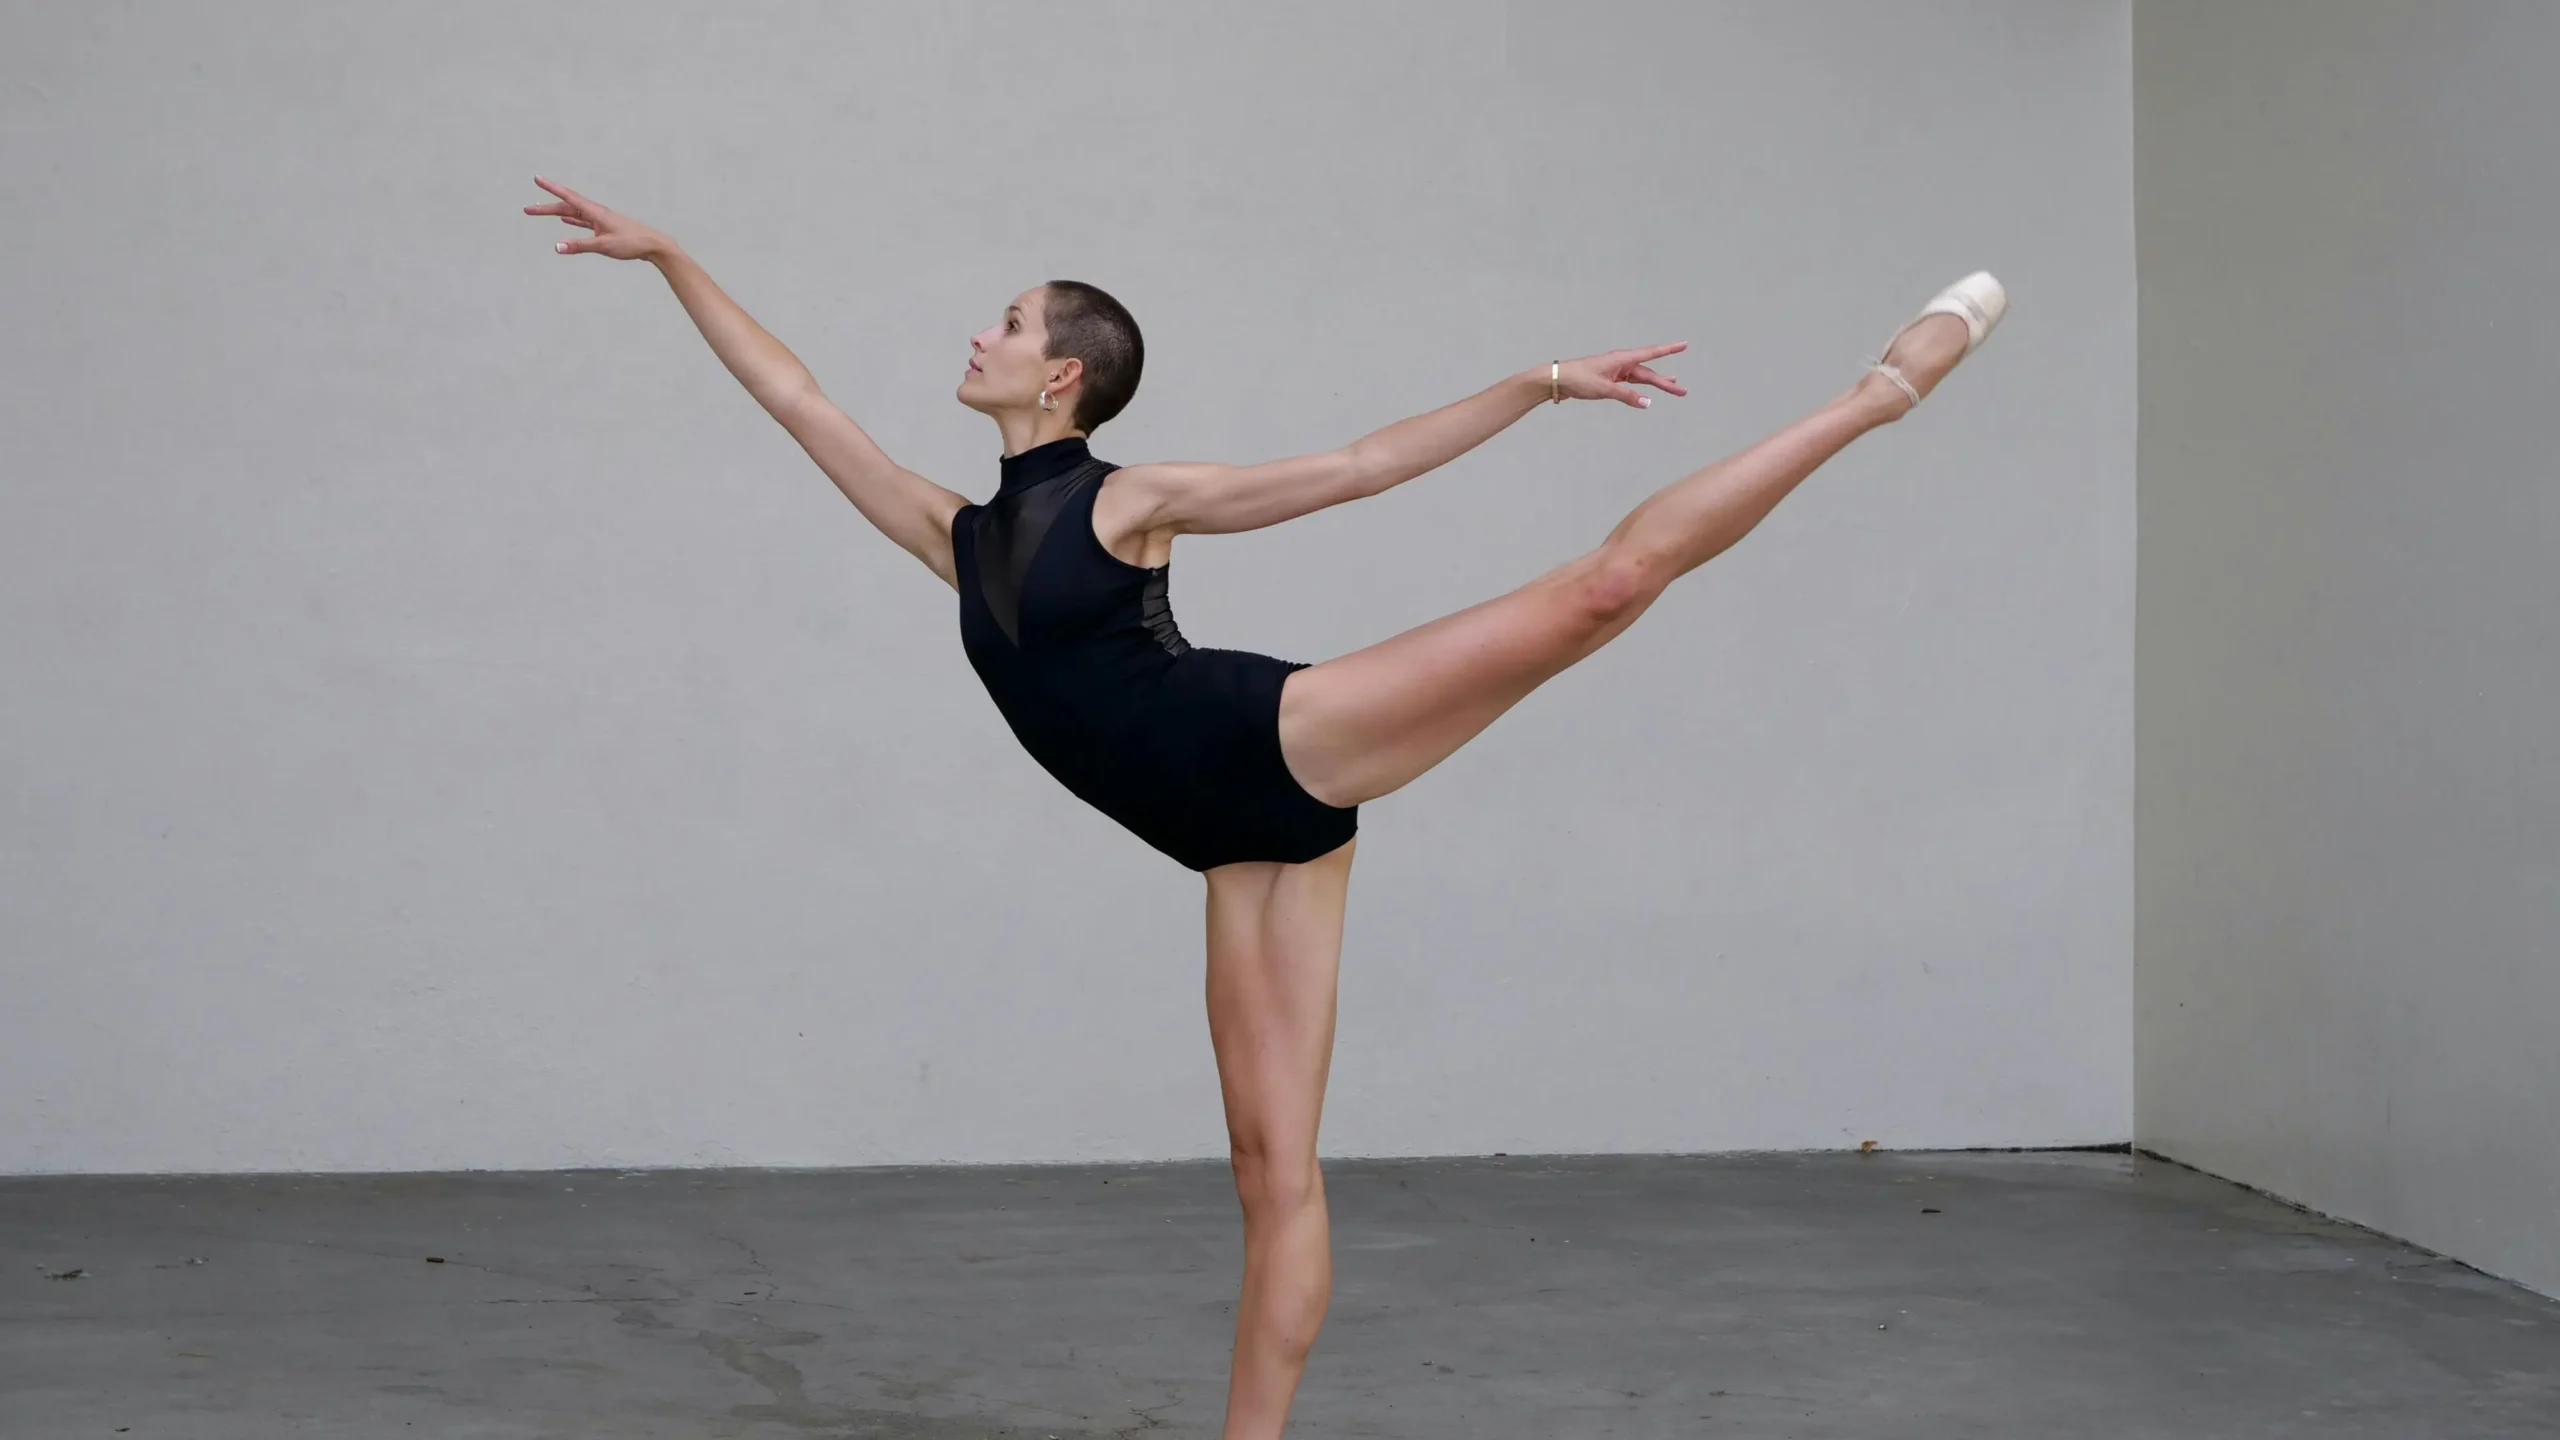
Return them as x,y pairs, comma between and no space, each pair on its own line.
1079,650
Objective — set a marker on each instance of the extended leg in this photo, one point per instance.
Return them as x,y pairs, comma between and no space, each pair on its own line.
1275,949
1360,726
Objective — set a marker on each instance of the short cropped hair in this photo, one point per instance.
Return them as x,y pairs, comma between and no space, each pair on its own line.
1088,325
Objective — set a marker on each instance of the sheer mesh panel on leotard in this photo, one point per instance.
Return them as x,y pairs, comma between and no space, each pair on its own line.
1008,533
1155,607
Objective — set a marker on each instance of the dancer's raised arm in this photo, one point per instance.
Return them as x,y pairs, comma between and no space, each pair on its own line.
908,508
1209,499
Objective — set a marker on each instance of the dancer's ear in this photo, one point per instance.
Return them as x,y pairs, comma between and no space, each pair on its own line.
1064,374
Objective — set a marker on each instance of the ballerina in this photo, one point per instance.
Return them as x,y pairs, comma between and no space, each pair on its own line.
1249,769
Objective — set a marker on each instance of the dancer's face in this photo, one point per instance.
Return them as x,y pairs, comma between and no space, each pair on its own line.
1007,369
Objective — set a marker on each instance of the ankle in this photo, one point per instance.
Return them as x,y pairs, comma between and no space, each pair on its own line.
1876,400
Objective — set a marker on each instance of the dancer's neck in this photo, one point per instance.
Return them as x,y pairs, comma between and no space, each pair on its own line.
1042,463
1028,430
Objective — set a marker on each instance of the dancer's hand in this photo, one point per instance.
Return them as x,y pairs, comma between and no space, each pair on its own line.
615,234
1616,375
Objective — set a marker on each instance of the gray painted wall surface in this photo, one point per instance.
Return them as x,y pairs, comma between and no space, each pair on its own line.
2348,981
450,726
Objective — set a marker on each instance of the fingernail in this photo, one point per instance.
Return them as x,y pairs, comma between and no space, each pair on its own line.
562,247
1645,400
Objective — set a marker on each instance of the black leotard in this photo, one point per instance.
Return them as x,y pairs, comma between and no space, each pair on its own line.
1079,650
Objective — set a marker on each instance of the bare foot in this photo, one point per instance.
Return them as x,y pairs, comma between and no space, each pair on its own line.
1924,354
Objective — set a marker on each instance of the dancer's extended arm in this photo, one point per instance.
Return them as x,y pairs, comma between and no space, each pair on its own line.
906,507
1209,499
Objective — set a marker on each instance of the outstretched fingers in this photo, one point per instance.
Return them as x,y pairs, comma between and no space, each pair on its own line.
1639,370
580,221
1616,374
565,193
1627,369
1647,375
573,209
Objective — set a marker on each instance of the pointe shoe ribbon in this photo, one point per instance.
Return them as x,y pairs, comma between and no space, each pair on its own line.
1979,300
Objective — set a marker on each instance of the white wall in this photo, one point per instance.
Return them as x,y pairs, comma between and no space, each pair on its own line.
2348,978
449,726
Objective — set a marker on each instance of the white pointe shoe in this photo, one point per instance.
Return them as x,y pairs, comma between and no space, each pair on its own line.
1977,299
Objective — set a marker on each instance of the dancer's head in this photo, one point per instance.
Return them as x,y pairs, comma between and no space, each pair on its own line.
1066,338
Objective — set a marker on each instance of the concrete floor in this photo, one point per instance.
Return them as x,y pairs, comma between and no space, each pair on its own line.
1811,1296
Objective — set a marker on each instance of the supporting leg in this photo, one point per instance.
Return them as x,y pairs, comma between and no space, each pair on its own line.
1275,948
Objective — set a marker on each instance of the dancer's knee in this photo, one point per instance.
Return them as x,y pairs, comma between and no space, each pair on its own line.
1618,580
1272,1184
